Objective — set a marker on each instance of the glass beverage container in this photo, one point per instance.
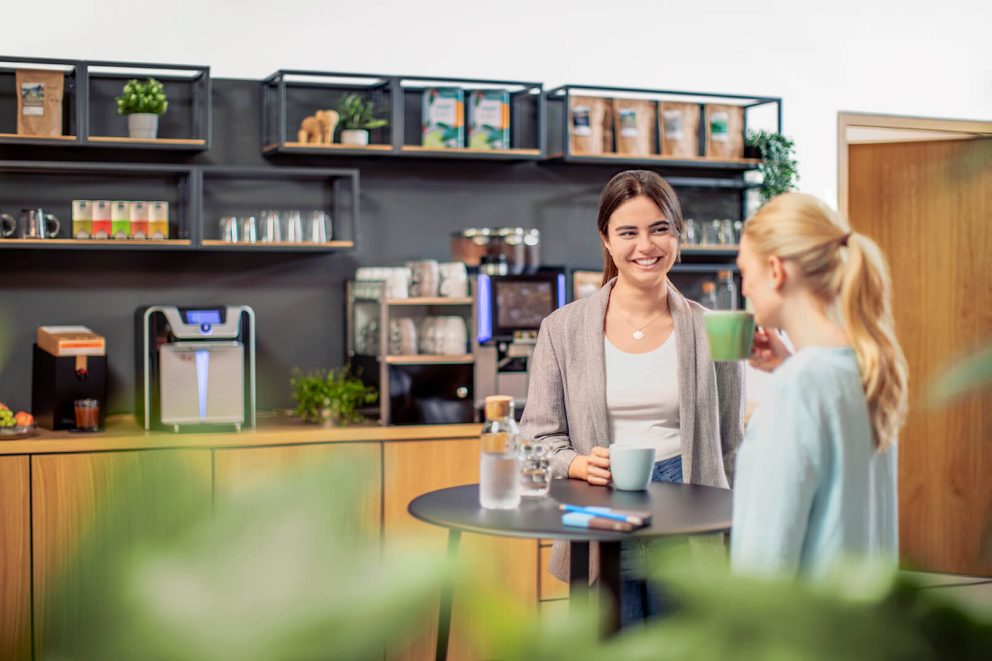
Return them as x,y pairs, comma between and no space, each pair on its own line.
139,220
499,459
120,220
101,224
158,220
82,219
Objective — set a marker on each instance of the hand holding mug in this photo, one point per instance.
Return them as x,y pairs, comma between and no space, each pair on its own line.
594,468
768,351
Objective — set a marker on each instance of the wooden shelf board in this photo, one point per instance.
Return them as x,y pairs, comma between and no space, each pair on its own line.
429,359
419,149
96,242
278,244
147,141
431,300
30,138
702,160
711,248
334,146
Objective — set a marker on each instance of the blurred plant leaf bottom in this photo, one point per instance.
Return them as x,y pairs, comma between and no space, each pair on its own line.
282,571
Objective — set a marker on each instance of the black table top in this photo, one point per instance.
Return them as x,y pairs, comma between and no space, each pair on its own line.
676,509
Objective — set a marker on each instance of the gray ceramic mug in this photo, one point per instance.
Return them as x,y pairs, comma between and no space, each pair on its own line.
631,467
8,225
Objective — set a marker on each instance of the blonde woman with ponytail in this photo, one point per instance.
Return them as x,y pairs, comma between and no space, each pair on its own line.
816,475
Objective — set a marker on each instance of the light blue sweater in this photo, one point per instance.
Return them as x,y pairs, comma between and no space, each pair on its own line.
810,489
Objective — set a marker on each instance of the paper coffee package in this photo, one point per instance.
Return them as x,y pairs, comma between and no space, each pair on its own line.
590,130
39,102
489,119
724,131
678,126
634,123
443,113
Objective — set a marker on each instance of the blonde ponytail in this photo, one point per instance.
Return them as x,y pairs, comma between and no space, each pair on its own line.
849,273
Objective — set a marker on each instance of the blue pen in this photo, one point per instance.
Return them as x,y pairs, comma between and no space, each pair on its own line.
603,512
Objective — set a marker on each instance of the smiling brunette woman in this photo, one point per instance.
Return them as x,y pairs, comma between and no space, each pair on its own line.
631,366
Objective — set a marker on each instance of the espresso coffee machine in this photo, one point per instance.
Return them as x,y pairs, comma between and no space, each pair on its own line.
195,367
510,310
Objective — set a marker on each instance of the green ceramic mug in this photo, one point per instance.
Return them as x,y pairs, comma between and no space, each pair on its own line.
731,334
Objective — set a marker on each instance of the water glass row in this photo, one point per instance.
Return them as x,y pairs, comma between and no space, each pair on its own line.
273,226
716,232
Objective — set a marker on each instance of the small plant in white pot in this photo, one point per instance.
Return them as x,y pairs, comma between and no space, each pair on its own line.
142,102
357,118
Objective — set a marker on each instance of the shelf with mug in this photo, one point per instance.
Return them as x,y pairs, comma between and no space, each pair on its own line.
51,187
664,129
228,192
430,359
185,125
49,74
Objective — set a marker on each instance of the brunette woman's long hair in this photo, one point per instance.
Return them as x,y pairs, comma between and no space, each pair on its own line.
849,273
626,186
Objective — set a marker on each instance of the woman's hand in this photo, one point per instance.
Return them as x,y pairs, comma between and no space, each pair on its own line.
593,468
768,351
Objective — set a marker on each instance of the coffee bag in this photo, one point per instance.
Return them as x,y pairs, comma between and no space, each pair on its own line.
724,131
634,122
588,125
678,125
39,102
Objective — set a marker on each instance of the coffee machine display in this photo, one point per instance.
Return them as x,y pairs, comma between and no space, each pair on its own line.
195,367
69,367
510,310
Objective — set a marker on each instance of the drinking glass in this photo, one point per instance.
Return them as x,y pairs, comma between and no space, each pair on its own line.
294,226
270,229
247,227
535,477
87,414
229,229
318,227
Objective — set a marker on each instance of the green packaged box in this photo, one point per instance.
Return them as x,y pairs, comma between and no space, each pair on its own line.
443,115
489,119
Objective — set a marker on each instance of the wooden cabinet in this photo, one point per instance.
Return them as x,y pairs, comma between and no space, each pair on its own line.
15,560
88,505
413,468
242,468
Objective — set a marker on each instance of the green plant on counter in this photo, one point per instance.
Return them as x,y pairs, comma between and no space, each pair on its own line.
142,97
330,396
356,113
778,162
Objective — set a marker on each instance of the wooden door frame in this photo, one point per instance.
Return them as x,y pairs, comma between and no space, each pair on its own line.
953,129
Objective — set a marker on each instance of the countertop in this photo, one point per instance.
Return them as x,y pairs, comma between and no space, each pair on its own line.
123,433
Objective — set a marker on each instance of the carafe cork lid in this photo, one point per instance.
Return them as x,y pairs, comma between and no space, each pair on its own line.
498,406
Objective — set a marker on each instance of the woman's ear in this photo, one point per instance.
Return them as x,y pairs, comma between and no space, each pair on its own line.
776,272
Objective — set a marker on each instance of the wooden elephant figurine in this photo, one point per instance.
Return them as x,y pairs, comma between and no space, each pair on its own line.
318,128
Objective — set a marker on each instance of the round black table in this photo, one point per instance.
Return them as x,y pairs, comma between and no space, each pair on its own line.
676,510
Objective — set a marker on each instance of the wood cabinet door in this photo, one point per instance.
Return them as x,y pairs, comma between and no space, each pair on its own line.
241,468
92,504
411,468
15,561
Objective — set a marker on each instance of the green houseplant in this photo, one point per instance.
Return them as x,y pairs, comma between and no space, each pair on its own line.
778,162
357,118
330,397
142,102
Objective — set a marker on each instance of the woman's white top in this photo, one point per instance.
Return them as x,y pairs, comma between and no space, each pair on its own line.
642,398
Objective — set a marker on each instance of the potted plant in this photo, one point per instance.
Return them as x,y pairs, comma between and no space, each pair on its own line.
778,162
330,397
142,102
357,117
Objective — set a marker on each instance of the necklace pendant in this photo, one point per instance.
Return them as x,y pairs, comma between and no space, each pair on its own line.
638,335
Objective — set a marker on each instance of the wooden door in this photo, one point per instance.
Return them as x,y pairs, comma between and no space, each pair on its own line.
15,560
929,206
411,468
90,506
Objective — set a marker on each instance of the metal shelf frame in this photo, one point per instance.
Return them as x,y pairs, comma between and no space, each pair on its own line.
80,76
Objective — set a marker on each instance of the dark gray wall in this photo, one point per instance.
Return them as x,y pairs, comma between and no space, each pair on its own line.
408,209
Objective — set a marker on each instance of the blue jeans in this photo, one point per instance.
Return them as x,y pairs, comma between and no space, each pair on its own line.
639,599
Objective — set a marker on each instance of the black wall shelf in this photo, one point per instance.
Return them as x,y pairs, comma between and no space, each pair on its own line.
90,111
288,96
197,196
